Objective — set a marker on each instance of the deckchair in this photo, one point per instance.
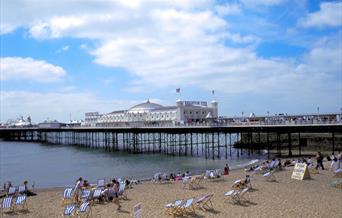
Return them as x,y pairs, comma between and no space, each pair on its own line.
85,195
84,210
21,201
270,176
204,202
233,195
338,173
69,210
21,189
11,191
67,196
187,207
122,191
242,195
100,183
96,195
173,208
7,204
195,181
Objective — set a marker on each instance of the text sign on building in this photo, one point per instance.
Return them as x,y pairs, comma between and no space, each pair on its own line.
137,210
199,103
300,171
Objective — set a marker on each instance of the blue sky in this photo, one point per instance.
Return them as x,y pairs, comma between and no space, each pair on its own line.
71,57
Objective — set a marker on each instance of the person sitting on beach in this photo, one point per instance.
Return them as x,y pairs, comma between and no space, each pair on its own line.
27,191
172,177
179,176
187,173
247,181
226,170
85,184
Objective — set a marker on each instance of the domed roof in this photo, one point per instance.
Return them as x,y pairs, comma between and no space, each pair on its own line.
144,107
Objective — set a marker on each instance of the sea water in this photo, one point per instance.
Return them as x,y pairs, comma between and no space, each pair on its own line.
46,165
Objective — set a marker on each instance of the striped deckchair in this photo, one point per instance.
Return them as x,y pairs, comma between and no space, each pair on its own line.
67,196
7,204
173,208
85,194
69,210
85,210
21,201
204,202
187,207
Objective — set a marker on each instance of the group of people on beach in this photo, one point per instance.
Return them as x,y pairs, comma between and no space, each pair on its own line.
26,191
110,192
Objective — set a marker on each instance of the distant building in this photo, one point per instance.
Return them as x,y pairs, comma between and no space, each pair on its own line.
50,124
185,112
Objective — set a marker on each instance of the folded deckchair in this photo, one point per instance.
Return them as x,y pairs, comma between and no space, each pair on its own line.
67,196
122,191
187,207
7,204
204,202
173,208
69,210
84,210
21,201
195,182
270,176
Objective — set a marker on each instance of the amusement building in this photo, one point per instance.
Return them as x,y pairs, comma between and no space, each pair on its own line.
149,113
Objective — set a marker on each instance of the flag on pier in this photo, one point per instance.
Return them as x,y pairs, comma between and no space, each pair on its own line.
213,92
178,90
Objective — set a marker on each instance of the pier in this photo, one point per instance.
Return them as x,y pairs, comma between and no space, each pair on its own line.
210,142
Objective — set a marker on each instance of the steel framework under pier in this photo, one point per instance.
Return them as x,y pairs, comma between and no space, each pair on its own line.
209,142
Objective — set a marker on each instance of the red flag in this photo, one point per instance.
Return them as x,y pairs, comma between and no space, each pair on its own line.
178,90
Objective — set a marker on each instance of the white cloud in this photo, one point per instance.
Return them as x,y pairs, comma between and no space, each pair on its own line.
329,15
228,9
180,43
55,105
63,49
18,68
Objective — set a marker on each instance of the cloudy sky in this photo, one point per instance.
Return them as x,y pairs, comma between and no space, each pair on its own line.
67,57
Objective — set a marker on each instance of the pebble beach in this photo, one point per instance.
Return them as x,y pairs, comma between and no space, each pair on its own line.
285,197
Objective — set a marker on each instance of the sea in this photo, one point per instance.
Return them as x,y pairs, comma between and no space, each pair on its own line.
47,165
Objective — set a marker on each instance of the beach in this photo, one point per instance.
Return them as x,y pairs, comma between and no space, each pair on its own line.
284,198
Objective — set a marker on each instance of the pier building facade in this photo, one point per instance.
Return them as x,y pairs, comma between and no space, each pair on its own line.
148,113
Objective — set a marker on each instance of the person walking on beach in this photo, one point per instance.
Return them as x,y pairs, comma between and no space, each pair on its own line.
226,170
319,158
27,191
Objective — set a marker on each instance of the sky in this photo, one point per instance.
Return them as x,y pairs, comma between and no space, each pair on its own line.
60,59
